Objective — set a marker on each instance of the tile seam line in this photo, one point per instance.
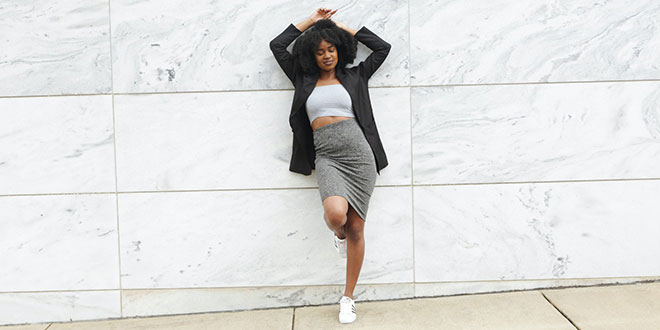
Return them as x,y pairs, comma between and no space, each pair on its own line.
181,190
114,144
412,163
293,286
290,89
633,281
311,188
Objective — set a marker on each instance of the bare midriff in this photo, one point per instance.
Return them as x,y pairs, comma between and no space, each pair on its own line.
326,120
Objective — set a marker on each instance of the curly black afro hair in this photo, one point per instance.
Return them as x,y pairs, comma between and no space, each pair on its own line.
324,29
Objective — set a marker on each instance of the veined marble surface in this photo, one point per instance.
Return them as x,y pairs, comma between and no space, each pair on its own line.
198,300
58,242
34,307
193,251
54,47
249,238
469,42
193,300
179,45
536,231
56,145
233,140
585,131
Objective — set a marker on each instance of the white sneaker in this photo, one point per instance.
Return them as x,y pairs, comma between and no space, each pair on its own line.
340,245
346,310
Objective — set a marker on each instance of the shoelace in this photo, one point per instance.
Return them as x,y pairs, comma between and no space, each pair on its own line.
344,306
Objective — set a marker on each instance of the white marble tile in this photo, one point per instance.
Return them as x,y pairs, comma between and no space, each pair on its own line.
20,308
391,108
536,231
255,238
56,144
188,46
59,242
586,131
179,301
233,140
435,289
54,47
454,42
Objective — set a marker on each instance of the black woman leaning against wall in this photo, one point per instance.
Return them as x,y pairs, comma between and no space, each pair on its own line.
334,131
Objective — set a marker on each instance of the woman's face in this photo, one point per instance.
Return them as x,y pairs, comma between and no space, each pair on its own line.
326,56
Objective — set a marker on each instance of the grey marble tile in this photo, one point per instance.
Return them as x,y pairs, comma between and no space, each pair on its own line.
185,46
587,131
59,242
536,231
434,289
456,42
54,47
233,140
56,145
35,307
198,300
255,238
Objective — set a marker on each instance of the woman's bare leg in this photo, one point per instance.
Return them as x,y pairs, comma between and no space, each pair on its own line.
355,250
335,209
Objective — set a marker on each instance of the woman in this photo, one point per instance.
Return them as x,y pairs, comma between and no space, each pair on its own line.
334,129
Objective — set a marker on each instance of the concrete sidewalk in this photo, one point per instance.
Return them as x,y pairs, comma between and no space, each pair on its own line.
624,307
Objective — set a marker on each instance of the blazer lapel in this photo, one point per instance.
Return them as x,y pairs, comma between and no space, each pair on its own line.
343,79
308,83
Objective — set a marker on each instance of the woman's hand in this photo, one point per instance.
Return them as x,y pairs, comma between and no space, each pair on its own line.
322,13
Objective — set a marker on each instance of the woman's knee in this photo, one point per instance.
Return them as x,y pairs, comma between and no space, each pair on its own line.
335,218
335,212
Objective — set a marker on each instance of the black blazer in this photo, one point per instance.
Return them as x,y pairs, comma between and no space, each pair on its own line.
354,81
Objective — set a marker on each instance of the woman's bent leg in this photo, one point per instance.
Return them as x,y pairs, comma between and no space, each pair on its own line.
335,214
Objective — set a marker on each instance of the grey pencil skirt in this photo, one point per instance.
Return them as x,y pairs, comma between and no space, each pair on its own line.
345,164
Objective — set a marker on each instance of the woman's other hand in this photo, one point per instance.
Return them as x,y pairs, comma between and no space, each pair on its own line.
322,13
343,26
340,25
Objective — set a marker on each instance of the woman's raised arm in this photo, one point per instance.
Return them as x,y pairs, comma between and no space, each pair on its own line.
379,47
279,44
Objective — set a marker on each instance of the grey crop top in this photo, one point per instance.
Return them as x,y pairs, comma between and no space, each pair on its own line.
329,100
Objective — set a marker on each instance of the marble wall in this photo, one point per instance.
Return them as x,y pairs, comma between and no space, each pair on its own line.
144,151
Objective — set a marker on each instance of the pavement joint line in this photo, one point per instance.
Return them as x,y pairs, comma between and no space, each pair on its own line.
293,318
650,281
562,313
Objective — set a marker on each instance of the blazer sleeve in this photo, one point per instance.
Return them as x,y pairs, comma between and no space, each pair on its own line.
380,48
284,58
